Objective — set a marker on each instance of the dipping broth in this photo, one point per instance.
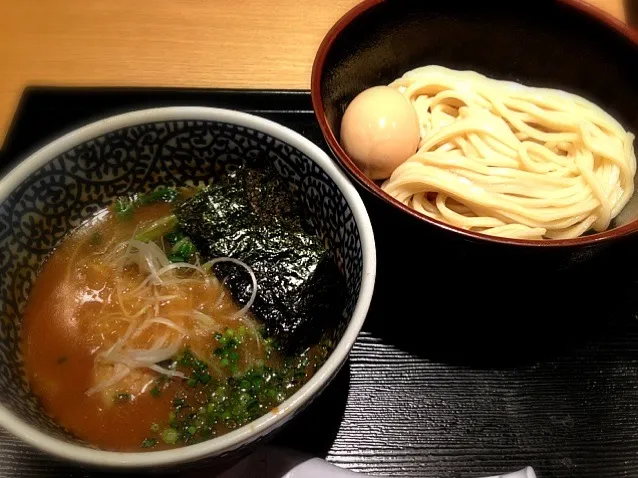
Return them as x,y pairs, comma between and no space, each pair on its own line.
132,341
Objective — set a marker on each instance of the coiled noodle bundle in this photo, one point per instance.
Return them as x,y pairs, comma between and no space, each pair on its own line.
509,160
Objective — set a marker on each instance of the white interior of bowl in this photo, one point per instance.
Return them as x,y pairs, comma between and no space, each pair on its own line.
263,425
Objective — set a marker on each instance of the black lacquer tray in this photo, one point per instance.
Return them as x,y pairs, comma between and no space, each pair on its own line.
428,397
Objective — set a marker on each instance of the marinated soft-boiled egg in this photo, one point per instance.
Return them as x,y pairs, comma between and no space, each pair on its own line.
379,131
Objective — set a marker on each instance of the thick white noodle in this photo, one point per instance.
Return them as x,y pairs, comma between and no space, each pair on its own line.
511,160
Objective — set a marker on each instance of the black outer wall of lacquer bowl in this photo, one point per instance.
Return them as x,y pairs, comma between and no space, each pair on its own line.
553,43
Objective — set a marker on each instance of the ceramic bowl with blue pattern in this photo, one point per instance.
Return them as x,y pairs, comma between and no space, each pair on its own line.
63,184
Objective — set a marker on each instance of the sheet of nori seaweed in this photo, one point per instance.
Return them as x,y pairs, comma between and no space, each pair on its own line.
251,215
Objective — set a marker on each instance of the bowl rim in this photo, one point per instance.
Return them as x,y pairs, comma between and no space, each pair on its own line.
253,430
577,7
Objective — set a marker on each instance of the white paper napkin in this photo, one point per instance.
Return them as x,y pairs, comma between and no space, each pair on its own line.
270,462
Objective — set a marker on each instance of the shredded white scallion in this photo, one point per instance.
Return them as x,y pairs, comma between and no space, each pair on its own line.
121,371
253,294
141,306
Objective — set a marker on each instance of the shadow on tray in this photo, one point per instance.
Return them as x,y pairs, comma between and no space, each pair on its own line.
478,316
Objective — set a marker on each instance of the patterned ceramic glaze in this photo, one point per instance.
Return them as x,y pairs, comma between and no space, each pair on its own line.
65,183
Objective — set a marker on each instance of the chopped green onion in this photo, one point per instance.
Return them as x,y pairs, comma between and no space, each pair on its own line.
123,208
173,237
231,402
158,228
184,247
159,195
170,436
149,442
176,258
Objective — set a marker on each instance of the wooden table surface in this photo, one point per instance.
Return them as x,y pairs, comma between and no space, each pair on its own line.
190,43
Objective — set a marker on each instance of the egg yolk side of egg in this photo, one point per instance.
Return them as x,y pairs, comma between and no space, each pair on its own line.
379,131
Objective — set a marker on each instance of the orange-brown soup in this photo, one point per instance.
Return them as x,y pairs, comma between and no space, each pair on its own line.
94,315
